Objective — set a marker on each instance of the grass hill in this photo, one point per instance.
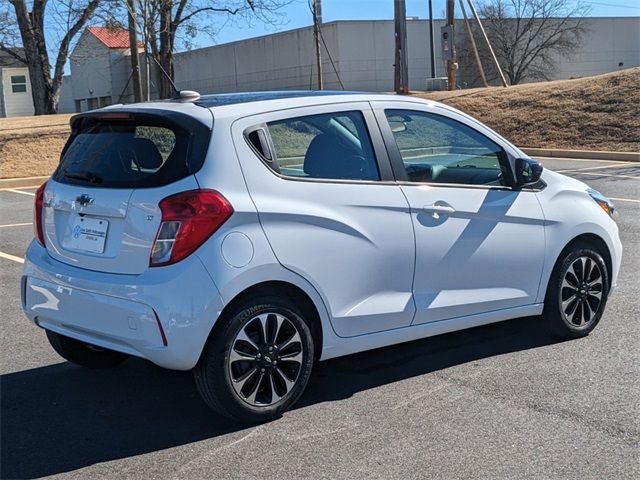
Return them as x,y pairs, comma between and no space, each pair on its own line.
590,113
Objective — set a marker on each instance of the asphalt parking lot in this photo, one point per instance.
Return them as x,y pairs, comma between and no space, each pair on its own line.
501,401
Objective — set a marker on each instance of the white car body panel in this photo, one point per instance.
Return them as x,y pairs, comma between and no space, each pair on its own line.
95,307
570,212
365,253
336,234
466,263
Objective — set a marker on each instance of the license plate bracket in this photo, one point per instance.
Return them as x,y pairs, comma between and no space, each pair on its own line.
88,234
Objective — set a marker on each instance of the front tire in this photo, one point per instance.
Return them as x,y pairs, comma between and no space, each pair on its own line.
577,292
83,354
257,363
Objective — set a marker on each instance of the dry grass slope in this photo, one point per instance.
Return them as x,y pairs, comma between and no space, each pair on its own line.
593,113
31,146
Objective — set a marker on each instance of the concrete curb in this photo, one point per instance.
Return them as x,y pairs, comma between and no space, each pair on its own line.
585,154
22,182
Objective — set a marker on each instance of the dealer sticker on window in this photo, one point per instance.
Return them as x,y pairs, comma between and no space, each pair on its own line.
88,234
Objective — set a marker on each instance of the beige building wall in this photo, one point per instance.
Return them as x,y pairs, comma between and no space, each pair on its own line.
15,92
610,44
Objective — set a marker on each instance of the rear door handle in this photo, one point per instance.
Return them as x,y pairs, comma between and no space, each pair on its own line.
447,209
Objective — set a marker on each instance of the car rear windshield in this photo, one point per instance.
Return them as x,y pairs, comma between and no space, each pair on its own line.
130,151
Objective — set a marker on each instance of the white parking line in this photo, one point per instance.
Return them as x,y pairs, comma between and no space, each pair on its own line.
18,188
615,165
606,175
624,200
566,159
16,225
14,190
11,257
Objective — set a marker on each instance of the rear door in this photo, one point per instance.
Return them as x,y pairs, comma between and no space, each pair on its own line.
479,242
322,184
101,205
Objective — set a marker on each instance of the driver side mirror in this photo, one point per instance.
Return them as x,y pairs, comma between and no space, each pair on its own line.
528,171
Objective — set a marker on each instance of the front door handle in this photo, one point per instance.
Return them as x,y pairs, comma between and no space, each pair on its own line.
446,209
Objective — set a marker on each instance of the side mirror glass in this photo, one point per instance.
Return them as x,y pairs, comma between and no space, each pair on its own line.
528,171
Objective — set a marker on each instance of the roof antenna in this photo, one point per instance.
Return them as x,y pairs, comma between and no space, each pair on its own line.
182,95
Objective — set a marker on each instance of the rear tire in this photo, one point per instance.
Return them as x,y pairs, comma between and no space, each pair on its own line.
83,354
257,362
577,292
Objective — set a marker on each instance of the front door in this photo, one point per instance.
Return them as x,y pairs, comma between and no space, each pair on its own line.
479,242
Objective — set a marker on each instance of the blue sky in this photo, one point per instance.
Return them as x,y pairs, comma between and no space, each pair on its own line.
298,15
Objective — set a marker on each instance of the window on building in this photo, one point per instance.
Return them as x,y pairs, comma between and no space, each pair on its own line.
18,83
330,145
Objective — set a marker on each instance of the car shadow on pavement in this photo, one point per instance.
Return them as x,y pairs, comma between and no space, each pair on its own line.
61,418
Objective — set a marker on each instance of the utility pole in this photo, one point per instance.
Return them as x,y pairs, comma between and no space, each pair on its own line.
135,58
452,66
316,10
486,39
473,44
432,47
401,68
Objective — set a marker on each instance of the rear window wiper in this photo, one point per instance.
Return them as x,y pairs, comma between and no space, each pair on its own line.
86,176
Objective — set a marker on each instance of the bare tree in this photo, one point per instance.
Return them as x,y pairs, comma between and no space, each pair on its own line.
528,36
166,24
26,25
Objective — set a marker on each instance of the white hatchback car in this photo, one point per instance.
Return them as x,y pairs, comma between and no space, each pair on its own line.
245,236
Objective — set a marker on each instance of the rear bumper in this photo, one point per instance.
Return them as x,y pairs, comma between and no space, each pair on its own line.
126,313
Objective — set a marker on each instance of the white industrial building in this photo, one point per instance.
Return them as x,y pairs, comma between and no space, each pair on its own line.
361,58
15,87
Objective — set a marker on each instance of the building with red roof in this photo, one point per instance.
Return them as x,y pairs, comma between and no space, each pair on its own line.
101,68
112,37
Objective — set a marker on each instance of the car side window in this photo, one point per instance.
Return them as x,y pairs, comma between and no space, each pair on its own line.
437,149
324,146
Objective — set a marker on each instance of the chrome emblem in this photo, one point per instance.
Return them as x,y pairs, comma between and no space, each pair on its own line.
84,200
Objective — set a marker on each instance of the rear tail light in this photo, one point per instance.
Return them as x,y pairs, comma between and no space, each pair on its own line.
38,231
188,219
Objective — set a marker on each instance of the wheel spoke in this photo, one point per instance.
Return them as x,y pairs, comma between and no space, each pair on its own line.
295,338
242,336
279,322
263,319
568,303
292,357
571,277
597,282
288,383
589,265
252,397
237,356
239,383
587,313
595,294
566,284
583,269
274,394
